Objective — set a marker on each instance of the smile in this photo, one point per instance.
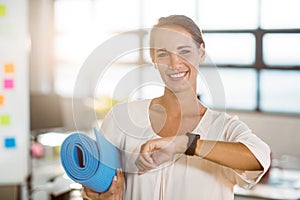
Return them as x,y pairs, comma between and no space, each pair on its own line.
177,75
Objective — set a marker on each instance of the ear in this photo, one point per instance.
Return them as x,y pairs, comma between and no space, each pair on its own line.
202,53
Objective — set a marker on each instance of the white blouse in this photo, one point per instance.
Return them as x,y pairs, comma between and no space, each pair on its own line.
128,126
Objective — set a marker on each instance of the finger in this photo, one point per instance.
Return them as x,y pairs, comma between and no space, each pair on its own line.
141,172
147,147
112,191
92,194
159,158
83,193
148,159
119,196
113,188
120,180
141,169
142,164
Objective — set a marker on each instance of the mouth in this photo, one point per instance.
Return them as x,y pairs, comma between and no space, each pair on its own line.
178,75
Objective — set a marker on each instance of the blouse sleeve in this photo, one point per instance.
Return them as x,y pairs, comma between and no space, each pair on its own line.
111,130
239,132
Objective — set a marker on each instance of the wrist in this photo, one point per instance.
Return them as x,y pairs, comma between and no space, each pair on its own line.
198,149
181,143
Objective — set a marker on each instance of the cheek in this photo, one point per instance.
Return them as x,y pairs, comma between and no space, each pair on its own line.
162,66
192,61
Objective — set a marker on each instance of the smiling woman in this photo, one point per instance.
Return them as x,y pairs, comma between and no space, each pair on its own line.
175,138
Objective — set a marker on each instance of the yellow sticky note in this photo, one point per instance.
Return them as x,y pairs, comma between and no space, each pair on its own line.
9,68
5,120
1,100
2,10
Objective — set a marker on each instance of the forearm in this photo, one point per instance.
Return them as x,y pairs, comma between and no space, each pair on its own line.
231,154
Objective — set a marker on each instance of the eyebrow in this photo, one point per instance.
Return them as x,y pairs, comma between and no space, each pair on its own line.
178,48
182,47
161,50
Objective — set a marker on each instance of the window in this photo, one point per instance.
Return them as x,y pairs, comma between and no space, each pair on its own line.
154,9
281,49
280,14
260,64
280,91
228,14
230,48
240,88
254,44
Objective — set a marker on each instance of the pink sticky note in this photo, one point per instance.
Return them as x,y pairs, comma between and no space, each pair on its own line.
8,83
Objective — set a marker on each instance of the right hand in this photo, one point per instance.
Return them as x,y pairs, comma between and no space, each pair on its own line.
115,191
158,151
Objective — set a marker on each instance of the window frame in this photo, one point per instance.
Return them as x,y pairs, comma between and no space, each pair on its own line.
259,64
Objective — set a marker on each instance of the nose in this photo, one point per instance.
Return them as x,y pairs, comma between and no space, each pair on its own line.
175,61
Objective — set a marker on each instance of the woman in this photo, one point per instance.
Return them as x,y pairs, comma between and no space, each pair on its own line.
173,147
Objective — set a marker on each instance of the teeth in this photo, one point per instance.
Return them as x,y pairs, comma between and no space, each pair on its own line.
178,75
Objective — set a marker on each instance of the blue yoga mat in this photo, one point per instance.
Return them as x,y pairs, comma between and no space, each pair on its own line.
99,162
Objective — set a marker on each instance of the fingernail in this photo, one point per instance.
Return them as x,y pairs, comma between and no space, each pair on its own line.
140,172
115,178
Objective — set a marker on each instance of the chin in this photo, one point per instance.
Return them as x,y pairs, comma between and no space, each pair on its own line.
178,88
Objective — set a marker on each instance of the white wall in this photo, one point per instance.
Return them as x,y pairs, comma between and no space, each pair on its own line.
41,35
281,132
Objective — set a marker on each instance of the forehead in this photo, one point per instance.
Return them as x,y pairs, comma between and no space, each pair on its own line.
170,38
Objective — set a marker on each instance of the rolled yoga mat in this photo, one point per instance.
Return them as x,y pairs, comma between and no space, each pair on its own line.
89,162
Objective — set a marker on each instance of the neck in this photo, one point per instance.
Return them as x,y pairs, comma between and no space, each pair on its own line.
181,103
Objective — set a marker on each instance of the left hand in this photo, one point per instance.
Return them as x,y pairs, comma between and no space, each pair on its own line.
158,151
115,191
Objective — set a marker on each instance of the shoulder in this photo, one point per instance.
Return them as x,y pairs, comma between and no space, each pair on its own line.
229,124
128,113
132,104
223,117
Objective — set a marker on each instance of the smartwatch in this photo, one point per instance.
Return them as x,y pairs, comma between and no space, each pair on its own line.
192,143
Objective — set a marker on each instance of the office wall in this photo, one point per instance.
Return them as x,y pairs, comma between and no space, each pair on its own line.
14,93
41,36
281,132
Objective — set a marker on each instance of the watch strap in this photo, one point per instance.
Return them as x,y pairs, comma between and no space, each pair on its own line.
192,143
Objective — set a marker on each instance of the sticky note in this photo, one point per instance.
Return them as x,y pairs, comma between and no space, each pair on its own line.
8,84
1,100
4,120
10,142
9,68
2,10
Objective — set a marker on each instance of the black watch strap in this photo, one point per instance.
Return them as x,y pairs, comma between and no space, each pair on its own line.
192,143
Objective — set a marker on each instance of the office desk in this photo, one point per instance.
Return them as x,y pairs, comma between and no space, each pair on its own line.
281,184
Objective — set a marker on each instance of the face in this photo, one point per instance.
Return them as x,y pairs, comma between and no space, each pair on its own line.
177,57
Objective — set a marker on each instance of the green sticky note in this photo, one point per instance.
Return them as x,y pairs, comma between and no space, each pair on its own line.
2,10
4,120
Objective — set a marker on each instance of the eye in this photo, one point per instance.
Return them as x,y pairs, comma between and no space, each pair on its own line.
184,52
162,54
